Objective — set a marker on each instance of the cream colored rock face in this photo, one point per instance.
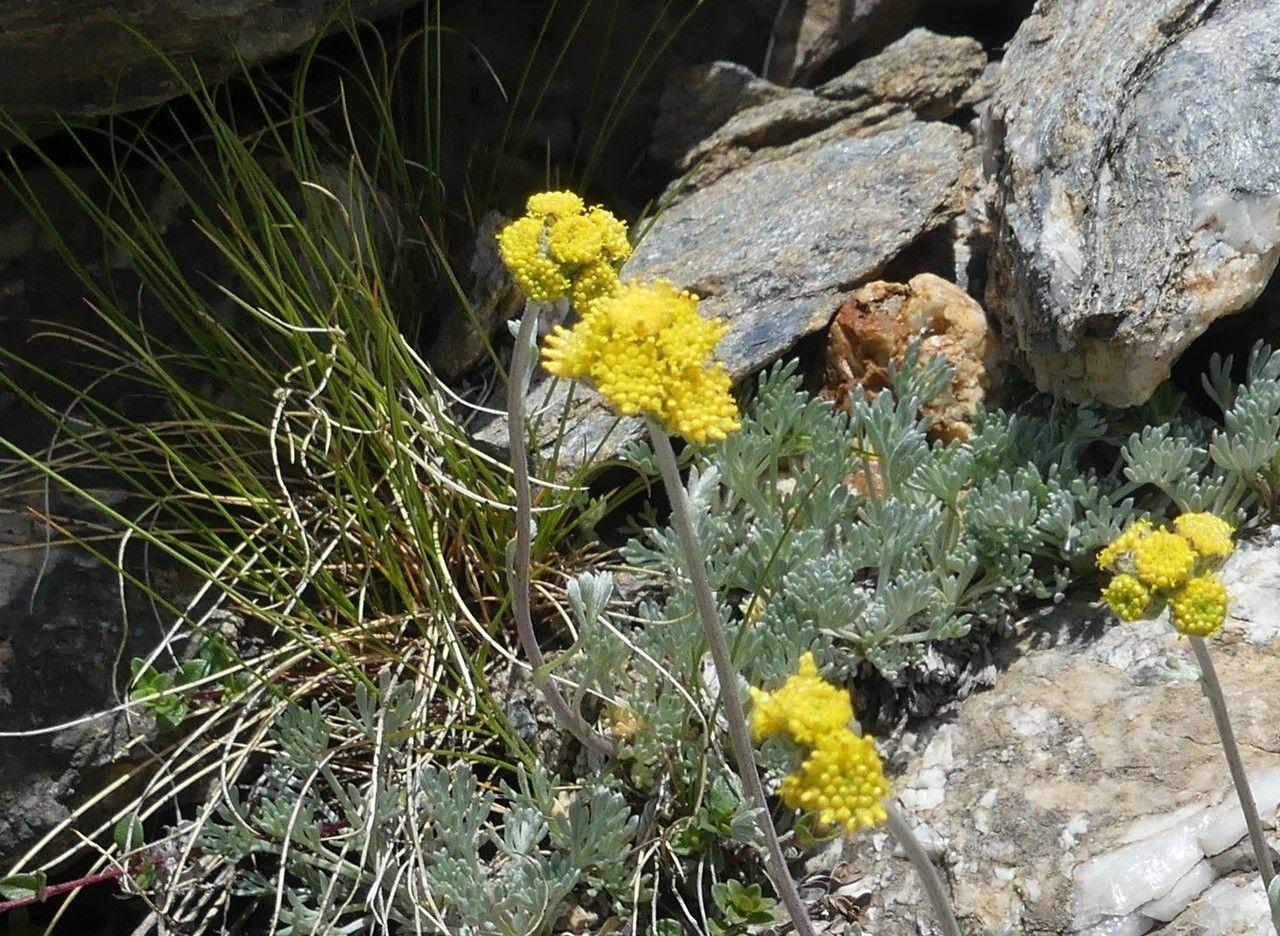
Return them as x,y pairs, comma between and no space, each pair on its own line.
1087,788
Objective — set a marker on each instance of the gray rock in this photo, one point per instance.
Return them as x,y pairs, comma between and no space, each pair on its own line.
775,248
79,58
794,116
807,33
921,75
697,100
465,330
924,71
1086,792
65,647
1136,193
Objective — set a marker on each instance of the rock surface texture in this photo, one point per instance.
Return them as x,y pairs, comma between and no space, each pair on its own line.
807,33
84,58
1086,792
797,199
923,75
1136,193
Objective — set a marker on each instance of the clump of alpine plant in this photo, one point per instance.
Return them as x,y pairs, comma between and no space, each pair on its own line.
1177,568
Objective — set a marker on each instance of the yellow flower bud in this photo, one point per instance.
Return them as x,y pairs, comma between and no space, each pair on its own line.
1127,597
804,707
1163,560
554,205
1124,543
1199,607
842,781
1208,535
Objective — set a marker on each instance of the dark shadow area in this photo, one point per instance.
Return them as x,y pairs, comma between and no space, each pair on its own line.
1233,335
991,22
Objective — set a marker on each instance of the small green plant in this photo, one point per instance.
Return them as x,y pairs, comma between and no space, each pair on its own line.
741,907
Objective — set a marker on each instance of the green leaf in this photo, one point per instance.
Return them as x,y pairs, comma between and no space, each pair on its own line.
128,833
18,886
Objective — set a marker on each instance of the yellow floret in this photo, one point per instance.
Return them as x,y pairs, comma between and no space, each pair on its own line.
1163,560
574,241
841,781
613,233
645,347
1208,535
1127,597
804,708
1125,542
538,277
554,205
560,249
591,282
1199,607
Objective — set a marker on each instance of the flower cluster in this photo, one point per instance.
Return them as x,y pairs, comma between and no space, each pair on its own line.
1155,567
840,779
561,249
646,349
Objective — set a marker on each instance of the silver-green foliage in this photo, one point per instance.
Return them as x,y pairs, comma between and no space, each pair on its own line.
856,531
1231,470
413,848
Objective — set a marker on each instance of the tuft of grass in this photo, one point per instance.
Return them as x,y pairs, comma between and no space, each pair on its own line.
295,462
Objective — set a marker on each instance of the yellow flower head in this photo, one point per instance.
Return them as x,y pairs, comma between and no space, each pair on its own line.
560,249
1127,597
574,241
841,781
1200,606
1133,534
539,277
554,205
1208,535
1163,560
646,349
805,707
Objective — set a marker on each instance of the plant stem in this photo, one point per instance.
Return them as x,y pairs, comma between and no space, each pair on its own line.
111,874
936,891
739,737
517,382
1213,692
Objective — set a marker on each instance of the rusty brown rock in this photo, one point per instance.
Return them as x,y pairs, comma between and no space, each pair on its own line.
875,327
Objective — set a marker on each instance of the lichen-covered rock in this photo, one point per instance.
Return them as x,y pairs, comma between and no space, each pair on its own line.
774,248
1136,193
875,327
1086,792
85,58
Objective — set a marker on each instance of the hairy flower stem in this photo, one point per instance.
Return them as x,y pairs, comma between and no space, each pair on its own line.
936,891
739,737
1213,692
517,384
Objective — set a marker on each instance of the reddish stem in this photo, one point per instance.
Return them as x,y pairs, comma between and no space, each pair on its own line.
45,893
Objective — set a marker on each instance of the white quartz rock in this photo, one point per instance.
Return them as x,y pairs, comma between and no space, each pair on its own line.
1190,886
1226,824
1119,882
